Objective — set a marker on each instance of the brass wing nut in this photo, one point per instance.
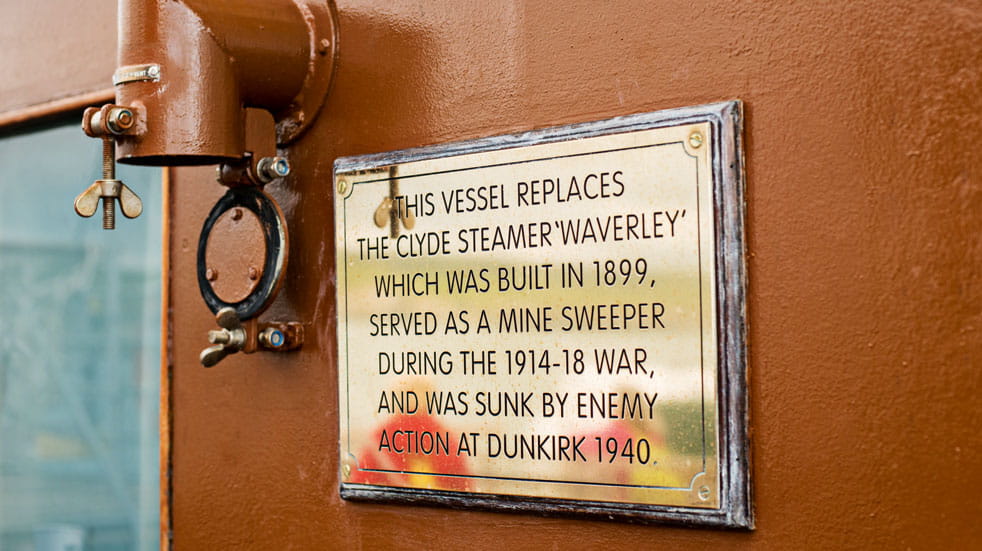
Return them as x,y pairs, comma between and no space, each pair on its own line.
106,123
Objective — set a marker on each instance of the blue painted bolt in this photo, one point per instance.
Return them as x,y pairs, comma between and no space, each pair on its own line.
272,338
281,167
271,168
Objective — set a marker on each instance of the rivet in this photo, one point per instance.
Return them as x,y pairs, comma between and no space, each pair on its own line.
695,140
236,214
211,274
253,273
325,46
342,186
704,493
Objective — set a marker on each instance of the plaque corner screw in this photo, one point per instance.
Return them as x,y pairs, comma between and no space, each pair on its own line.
695,139
346,469
342,186
704,493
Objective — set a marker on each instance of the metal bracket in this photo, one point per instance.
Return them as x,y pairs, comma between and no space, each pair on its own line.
136,73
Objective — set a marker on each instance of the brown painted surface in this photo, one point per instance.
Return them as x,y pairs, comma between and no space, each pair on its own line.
864,256
864,259
256,53
55,49
235,254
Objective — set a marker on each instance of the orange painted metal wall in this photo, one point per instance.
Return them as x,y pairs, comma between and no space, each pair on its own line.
864,260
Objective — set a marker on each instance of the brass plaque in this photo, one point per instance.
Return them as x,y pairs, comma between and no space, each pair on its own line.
551,320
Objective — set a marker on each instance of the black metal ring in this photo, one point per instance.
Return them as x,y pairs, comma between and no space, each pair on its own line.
274,266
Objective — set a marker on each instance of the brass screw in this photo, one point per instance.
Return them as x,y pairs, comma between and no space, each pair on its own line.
347,470
695,140
236,214
704,493
342,187
211,274
253,273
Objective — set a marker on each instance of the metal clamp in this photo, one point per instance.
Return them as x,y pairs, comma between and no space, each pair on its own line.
108,122
136,73
249,336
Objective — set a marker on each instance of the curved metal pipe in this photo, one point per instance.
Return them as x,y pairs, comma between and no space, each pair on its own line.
212,60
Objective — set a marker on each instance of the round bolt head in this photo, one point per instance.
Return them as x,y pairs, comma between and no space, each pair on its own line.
281,167
271,168
272,338
120,119
211,274
695,140
124,118
253,273
237,214
342,187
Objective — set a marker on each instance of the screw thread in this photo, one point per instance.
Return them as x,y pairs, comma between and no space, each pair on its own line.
108,213
108,158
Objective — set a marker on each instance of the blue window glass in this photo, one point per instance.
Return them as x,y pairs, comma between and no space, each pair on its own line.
79,352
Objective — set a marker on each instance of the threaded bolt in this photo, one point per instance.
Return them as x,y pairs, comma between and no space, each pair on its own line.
108,213
108,158
108,173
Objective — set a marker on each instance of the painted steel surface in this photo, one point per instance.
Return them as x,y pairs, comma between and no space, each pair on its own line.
863,255
862,224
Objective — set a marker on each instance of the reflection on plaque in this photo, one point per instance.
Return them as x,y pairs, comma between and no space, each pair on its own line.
552,320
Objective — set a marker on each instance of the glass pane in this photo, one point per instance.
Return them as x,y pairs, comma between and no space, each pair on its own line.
79,352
